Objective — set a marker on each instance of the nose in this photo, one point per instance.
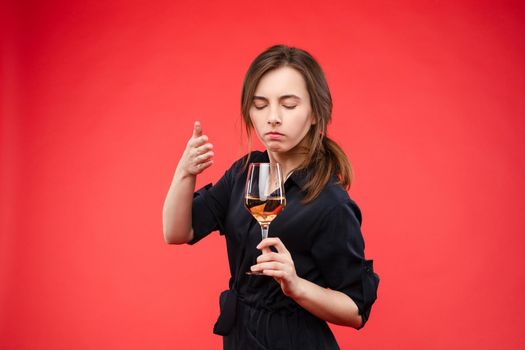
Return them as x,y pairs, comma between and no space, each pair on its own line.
273,117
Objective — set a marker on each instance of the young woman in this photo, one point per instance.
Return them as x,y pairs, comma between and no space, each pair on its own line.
313,262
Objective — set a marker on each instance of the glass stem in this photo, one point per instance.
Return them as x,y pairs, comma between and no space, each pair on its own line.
264,230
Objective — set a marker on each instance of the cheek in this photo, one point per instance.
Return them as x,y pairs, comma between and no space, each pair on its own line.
256,121
303,122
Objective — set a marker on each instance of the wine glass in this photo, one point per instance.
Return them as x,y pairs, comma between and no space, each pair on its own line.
264,195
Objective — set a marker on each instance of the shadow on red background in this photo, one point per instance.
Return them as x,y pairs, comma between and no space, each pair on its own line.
98,102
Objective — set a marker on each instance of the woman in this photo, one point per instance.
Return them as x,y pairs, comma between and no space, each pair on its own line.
313,262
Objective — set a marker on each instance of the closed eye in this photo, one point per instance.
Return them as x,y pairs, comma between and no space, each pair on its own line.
289,107
259,107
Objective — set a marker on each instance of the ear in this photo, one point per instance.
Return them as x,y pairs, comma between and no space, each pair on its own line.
313,119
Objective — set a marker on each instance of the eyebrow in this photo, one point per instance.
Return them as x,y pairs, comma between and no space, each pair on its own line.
283,97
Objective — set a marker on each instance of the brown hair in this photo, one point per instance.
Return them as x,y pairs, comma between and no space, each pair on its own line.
325,157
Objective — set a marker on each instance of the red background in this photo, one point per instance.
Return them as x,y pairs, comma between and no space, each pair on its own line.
98,101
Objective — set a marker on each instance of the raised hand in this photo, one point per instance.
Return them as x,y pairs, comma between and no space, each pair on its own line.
198,153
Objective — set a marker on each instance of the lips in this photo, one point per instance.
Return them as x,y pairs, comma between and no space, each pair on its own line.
274,136
274,133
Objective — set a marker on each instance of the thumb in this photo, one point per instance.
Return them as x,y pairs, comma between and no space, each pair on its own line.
197,129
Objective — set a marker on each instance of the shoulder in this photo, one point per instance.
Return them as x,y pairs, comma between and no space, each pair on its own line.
335,198
340,219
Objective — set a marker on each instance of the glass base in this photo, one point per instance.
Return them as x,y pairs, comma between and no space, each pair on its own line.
255,273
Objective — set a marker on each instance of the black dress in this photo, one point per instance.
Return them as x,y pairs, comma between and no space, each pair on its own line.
326,244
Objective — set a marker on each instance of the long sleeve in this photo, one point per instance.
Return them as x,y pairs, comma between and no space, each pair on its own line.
339,252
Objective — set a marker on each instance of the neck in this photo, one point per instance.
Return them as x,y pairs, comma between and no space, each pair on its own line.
288,161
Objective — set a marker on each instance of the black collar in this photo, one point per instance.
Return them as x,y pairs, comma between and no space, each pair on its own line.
299,177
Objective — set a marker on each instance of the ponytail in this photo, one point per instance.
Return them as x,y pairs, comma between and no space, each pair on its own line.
329,160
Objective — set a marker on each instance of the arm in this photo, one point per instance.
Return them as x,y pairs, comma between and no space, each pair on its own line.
176,213
329,305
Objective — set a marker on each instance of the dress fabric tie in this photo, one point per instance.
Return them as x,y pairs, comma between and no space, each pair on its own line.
261,327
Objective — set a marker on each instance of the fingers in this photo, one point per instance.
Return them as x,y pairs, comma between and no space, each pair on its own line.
266,250
201,154
273,242
273,265
198,155
203,157
271,256
278,265
201,150
197,138
197,141
201,162
205,165
197,129
269,260
278,274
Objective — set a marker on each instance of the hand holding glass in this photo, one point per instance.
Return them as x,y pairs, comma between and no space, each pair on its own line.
264,195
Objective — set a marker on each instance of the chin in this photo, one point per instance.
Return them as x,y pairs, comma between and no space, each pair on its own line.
276,148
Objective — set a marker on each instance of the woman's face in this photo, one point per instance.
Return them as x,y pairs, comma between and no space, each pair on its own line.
281,113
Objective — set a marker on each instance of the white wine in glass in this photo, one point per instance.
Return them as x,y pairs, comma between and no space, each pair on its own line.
264,195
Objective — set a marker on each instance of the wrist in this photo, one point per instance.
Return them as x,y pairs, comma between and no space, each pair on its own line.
182,174
185,176
299,291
